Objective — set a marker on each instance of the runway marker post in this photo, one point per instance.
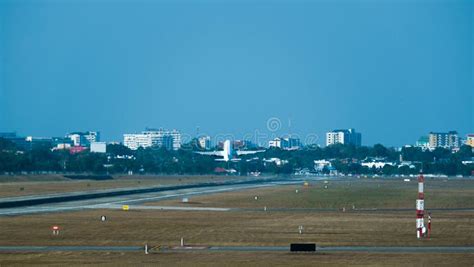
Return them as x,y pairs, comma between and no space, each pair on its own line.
55,229
300,229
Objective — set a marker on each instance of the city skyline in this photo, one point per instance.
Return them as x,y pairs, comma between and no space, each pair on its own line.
386,70
154,136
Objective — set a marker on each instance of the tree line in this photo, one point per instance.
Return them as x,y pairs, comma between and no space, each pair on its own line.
119,159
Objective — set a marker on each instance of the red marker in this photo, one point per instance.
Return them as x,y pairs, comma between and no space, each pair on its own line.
420,208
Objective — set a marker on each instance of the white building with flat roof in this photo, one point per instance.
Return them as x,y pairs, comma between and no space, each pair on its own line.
170,140
135,141
344,136
99,147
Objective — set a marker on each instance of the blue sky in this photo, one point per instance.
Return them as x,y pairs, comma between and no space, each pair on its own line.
394,70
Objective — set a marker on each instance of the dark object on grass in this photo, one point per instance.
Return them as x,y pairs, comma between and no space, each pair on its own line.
303,247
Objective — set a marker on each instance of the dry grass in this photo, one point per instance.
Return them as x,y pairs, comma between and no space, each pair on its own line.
363,194
256,228
234,259
12,186
234,228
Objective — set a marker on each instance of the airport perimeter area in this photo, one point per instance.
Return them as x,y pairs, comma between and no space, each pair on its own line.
352,221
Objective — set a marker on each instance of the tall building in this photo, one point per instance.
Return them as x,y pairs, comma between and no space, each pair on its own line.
204,142
448,140
170,140
287,143
470,140
84,138
344,136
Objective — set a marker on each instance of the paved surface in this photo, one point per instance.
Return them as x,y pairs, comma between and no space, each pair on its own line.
142,207
246,248
132,199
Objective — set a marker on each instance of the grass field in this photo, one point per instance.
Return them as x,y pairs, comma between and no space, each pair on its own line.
12,186
252,226
362,194
235,259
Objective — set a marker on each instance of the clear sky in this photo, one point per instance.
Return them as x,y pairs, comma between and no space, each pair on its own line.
394,70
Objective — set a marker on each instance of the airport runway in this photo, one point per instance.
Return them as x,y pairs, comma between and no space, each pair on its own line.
5,249
134,197
113,199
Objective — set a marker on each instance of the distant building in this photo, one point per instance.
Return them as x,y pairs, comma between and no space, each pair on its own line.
8,135
287,143
243,144
238,144
449,140
275,142
204,142
376,163
320,165
344,136
84,138
99,147
170,140
423,142
470,140
20,142
277,161
60,143
135,141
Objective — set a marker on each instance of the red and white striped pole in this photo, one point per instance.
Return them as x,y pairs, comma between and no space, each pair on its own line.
420,208
429,224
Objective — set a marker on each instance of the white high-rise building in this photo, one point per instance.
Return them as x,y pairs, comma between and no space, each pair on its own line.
346,136
170,140
84,138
